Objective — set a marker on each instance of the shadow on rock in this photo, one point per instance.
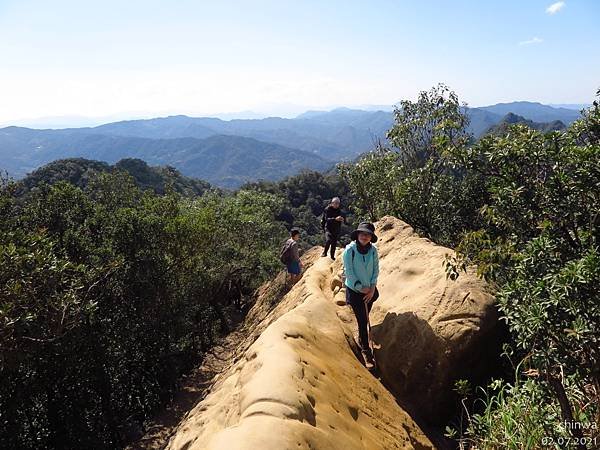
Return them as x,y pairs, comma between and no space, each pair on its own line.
419,367
407,353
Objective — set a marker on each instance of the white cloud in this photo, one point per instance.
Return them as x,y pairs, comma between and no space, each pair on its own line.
535,40
555,7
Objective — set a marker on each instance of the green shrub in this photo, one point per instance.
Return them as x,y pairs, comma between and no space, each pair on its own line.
525,208
109,294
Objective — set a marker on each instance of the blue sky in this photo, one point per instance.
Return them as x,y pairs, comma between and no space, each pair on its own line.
146,58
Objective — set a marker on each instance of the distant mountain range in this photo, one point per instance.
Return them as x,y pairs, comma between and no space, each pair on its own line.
226,161
229,153
575,106
534,111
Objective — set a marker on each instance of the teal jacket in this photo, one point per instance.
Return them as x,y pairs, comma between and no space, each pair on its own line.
362,270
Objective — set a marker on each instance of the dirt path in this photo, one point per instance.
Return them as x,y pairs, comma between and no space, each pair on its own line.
197,384
194,388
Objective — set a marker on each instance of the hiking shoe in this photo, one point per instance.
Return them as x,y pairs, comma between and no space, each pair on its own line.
369,360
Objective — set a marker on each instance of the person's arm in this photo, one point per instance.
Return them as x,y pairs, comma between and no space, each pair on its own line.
375,268
327,218
349,270
370,291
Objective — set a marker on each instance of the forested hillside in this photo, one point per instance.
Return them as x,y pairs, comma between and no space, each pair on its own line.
80,172
226,161
512,119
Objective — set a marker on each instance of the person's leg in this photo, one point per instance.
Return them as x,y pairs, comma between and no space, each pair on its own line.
333,241
295,271
327,243
368,353
358,306
297,277
291,270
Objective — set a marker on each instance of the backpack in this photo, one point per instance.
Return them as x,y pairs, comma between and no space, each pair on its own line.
285,253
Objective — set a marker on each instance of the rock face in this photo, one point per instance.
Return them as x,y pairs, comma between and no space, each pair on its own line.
428,330
297,383
300,386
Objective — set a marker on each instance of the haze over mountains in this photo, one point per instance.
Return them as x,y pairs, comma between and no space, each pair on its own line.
229,153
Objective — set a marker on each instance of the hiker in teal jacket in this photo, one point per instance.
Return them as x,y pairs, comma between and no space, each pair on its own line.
361,269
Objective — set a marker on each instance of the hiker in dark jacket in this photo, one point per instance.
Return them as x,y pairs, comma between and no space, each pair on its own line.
361,269
332,226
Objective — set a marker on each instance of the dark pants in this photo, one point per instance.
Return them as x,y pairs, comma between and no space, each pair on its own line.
330,243
357,301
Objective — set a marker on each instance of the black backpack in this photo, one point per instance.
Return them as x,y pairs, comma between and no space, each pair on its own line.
324,218
285,253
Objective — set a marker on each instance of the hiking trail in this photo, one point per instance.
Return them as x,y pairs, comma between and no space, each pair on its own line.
290,377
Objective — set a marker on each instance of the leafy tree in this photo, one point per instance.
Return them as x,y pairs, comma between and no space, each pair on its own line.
109,294
415,179
373,180
541,244
424,129
304,197
524,207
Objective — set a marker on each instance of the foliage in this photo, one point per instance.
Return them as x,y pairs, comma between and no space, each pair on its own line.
372,179
524,207
108,294
415,180
304,197
80,171
425,128
542,223
519,415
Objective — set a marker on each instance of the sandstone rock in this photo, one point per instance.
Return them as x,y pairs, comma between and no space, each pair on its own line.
297,383
300,386
428,330
336,282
